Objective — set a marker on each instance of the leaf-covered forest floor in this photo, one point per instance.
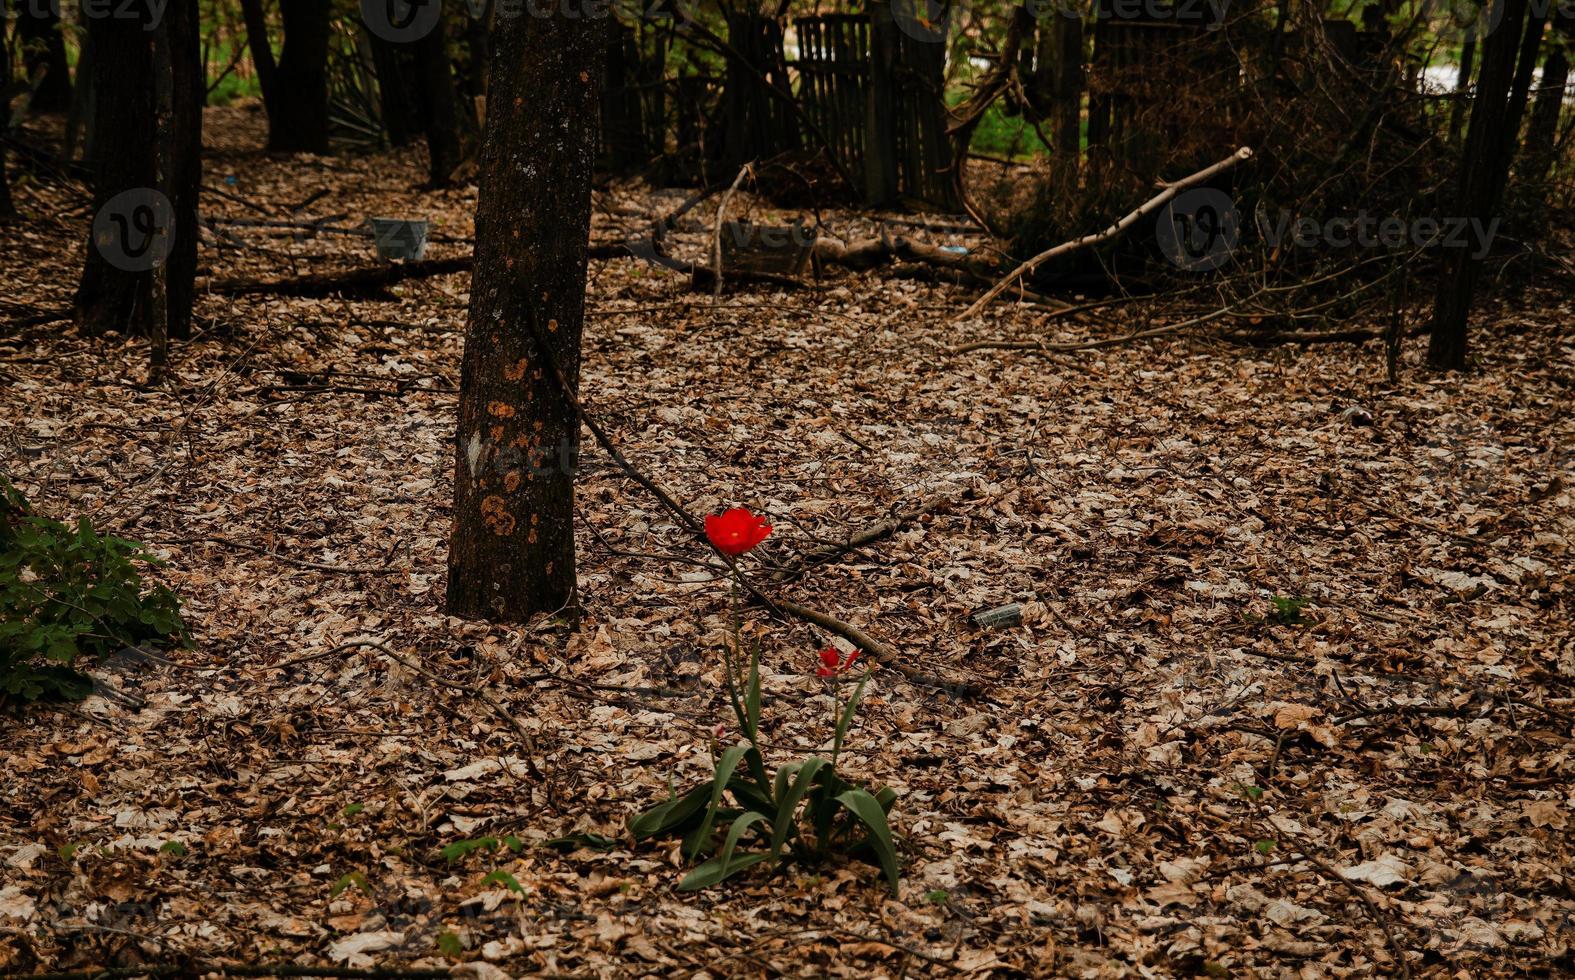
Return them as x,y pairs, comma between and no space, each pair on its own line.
1159,779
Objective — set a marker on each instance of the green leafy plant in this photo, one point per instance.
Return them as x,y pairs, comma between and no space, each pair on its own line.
804,812
1288,610
450,945
70,596
461,849
353,879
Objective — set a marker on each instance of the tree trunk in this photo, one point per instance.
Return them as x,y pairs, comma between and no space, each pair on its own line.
1066,61
1457,112
1542,132
439,108
1484,165
478,52
261,48
79,118
511,549
7,207
298,117
183,180
38,26
147,172
396,97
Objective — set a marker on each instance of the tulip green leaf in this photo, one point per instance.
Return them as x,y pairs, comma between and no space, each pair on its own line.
668,816
787,804
869,811
724,775
724,865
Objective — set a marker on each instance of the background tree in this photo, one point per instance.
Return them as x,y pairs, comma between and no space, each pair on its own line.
44,62
295,87
148,122
7,208
478,50
418,95
1508,55
1542,130
397,96
511,550
439,104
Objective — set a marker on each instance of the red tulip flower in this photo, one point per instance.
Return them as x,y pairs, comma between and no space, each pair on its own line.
735,531
832,663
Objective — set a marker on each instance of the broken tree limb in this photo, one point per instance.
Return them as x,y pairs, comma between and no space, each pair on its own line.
1066,248
881,652
877,651
872,533
368,281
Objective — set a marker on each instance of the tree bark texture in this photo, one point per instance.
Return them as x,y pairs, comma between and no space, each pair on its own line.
1489,149
143,151
511,549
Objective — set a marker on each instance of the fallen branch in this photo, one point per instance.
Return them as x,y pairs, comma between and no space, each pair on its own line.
365,282
875,649
874,532
1152,204
1378,915
156,970
701,277
1308,338
374,281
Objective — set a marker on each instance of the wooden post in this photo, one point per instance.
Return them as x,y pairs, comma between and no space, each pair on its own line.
880,113
1066,99
922,59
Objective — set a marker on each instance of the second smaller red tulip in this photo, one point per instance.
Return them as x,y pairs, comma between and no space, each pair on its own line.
832,663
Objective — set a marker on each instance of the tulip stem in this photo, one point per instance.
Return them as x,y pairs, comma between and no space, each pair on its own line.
728,658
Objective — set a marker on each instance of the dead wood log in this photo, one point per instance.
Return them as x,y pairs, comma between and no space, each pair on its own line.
374,281
872,252
1148,207
867,535
370,281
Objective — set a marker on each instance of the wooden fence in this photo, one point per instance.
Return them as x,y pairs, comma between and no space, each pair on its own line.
875,92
